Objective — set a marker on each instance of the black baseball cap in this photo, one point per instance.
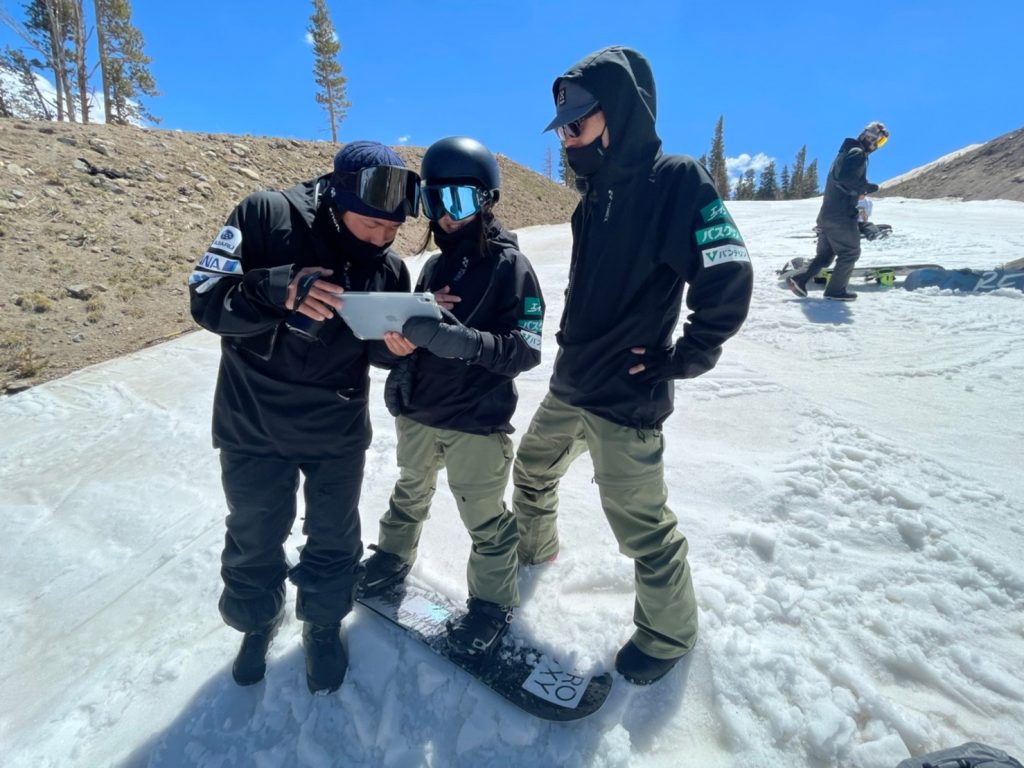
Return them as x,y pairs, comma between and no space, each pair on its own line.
572,102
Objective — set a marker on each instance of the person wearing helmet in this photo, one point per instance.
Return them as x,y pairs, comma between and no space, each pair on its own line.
291,394
455,394
838,232
648,226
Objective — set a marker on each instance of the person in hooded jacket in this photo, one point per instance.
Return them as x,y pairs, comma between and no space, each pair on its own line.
648,226
838,232
291,394
455,395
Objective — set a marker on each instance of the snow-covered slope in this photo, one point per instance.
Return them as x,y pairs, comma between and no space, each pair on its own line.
915,172
848,477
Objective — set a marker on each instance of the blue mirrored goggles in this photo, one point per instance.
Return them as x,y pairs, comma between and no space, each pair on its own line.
457,200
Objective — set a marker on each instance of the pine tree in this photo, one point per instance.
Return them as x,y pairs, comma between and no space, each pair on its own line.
21,97
565,171
703,160
717,169
796,178
769,189
785,187
77,59
326,69
124,68
47,31
745,186
811,180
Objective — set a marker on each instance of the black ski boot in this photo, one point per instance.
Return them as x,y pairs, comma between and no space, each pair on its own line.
844,296
639,668
251,662
326,660
475,635
381,571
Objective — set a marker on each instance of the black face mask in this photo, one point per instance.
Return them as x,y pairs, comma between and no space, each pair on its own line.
352,248
586,160
468,233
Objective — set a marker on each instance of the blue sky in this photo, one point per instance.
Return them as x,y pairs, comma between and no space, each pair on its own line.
940,74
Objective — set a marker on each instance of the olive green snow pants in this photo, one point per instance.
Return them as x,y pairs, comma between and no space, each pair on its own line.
478,468
630,477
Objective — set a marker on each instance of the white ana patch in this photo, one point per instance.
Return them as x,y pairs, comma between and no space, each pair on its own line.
532,339
228,240
724,253
214,263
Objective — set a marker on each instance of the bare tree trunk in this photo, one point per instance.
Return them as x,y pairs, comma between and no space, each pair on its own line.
330,113
101,44
57,58
78,26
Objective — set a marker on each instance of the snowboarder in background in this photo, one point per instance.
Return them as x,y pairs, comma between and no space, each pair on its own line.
454,396
838,234
648,225
291,393
868,229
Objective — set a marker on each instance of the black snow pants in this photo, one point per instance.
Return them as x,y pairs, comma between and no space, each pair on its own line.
839,240
261,500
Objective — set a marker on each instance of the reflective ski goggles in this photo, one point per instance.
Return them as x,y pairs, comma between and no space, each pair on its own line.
574,128
384,187
457,200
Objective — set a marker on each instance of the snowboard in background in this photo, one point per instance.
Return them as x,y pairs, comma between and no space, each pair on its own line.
525,676
965,280
884,274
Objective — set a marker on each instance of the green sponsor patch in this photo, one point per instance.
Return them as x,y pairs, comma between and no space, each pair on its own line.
534,326
718,233
714,211
532,306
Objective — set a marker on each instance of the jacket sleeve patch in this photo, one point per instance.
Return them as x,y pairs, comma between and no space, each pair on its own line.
718,233
715,210
532,306
724,253
532,339
228,239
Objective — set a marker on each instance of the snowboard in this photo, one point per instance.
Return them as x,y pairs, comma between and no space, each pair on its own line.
877,273
523,675
965,280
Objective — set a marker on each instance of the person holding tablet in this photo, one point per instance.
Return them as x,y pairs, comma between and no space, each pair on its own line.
455,396
291,394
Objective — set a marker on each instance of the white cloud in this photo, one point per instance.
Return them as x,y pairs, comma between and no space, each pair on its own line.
309,38
403,139
735,167
49,93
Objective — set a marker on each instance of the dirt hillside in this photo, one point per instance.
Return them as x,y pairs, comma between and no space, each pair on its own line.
101,225
991,171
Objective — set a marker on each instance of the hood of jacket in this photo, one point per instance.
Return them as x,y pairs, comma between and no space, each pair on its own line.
622,82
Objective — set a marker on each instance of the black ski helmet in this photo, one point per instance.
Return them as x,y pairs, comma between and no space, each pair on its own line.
461,160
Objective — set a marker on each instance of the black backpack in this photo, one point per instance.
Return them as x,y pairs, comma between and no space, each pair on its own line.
969,755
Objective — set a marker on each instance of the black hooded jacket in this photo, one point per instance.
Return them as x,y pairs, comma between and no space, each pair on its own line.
647,226
279,396
501,297
847,181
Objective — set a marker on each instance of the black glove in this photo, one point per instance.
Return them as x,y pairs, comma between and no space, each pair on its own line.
398,387
442,339
659,365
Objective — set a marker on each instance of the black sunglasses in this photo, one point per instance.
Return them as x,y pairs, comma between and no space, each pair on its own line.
573,129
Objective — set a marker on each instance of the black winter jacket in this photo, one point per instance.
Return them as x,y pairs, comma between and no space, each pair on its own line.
847,181
277,395
501,297
648,225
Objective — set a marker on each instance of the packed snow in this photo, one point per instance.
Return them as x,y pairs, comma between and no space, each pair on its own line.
849,479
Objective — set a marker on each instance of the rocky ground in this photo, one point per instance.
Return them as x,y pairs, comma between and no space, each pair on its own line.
992,171
101,225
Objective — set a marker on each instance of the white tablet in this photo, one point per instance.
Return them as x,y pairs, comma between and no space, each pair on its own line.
370,314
